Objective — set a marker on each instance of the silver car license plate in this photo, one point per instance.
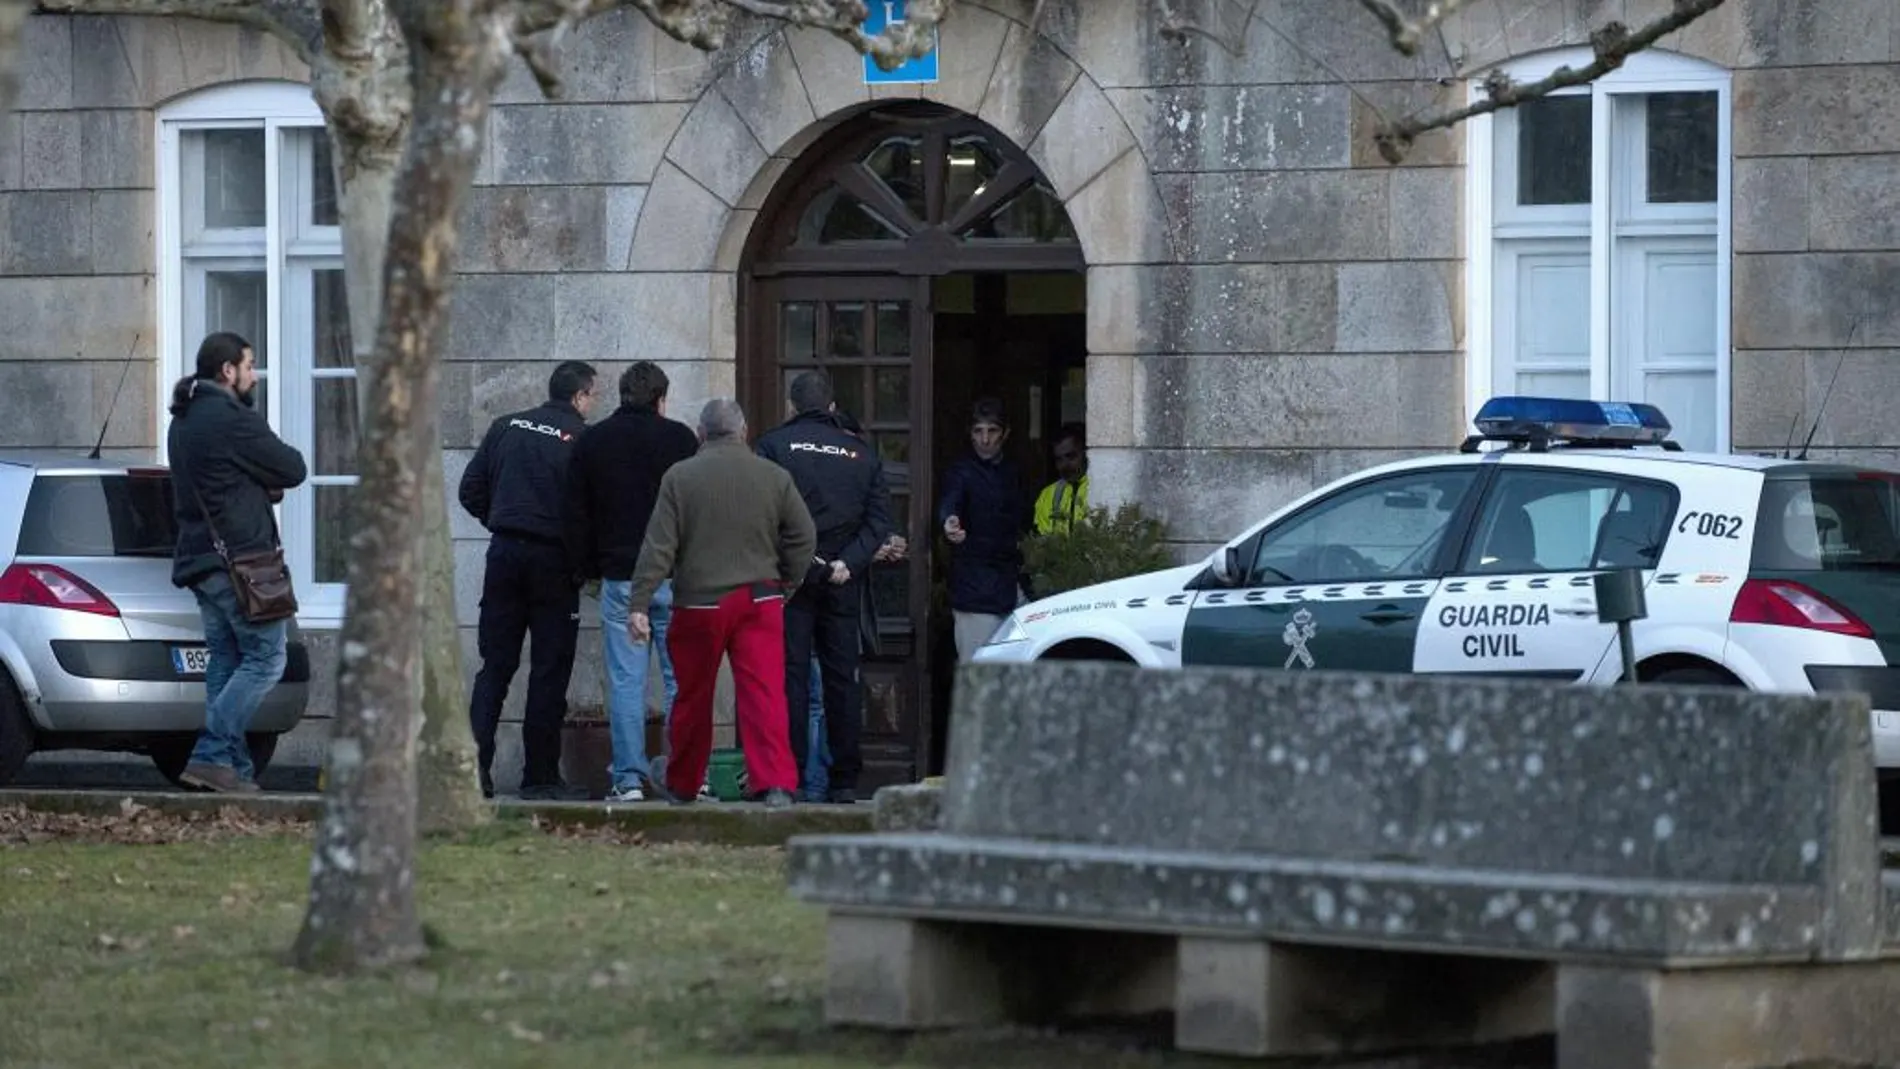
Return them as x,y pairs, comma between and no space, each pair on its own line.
190,660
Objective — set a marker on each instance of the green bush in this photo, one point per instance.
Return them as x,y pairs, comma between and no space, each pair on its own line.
1099,548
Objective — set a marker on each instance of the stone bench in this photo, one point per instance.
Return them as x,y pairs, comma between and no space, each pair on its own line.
1307,862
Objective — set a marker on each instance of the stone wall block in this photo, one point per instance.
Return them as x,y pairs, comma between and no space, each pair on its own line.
1120,216
536,228
626,317
1859,414
46,64
1211,495
1794,34
1397,307
717,150
1292,401
831,71
1375,104
117,149
1240,128
82,318
1426,212
462,526
123,232
624,204
1854,202
143,62
680,225
46,233
969,43
501,317
496,389
1083,136
1817,111
1771,203
1114,308
1817,300
764,86
12,151
608,59
1032,77
1111,400
56,404
1767,397
51,156
581,143
1282,217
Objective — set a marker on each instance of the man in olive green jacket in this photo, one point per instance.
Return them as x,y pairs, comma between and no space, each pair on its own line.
733,533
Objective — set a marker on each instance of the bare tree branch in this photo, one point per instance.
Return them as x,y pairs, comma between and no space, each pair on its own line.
1612,44
1404,33
295,21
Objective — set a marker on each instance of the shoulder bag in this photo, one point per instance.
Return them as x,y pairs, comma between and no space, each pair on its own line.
261,578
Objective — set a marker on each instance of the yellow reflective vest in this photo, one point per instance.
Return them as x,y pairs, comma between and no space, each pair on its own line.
1060,504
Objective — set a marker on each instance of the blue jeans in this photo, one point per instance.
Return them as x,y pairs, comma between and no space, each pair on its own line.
627,666
819,751
246,661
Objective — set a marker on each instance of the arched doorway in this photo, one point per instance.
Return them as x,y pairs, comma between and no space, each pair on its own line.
921,259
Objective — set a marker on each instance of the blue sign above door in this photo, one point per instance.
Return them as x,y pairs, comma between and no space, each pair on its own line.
921,70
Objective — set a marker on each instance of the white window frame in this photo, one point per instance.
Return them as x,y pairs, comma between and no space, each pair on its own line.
1649,71
293,252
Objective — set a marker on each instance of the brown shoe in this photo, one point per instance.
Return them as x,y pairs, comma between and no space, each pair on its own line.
216,778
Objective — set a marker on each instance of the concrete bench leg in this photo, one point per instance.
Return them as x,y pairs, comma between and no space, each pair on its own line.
1252,998
1727,1018
898,973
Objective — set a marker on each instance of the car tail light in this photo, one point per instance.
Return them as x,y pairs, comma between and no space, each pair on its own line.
52,587
1786,603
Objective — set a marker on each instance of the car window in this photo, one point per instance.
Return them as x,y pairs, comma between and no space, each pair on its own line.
1388,528
1829,523
98,516
1567,521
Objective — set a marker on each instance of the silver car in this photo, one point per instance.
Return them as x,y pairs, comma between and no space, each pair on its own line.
98,649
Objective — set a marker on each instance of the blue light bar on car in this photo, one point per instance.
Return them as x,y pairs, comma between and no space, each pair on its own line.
1567,419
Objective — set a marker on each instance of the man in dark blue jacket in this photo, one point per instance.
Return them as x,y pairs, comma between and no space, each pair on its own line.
516,485
612,484
982,513
227,468
842,481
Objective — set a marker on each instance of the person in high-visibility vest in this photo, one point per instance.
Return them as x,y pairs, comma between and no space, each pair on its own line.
1062,501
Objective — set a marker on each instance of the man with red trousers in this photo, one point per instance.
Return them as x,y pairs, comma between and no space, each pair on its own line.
735,536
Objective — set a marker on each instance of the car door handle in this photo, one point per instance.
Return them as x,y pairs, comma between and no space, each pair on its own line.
1388,614
1583,609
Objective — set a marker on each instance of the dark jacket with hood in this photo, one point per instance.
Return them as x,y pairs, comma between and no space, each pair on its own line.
225,449
842,481
516,484
986,569
613,480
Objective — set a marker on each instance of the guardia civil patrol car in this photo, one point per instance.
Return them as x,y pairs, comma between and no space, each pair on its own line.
1770,573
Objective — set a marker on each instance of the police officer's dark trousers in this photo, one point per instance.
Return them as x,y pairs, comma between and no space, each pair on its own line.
527,591
824,617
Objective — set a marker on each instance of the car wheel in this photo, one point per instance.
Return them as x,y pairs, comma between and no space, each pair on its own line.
172,753
1695,677
16,731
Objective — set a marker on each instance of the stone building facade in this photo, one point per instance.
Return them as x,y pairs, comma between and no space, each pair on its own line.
1260,302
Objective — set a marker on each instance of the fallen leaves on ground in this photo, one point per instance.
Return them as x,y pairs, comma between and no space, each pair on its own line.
134,824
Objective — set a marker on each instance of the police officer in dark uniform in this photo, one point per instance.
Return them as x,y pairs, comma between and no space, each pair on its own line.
515,485
842,482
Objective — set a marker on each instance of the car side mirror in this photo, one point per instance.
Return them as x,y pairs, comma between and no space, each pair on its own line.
1228,568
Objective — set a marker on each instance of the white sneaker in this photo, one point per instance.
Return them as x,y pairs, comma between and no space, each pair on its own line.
706,794
626,794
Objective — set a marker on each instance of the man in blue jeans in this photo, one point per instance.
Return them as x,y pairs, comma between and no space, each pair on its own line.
613,481
227,469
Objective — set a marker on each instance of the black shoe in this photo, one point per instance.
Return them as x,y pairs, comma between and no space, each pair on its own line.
659,792
553,792
841,796
488,784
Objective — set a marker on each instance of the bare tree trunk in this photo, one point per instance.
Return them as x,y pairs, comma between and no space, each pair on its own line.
361,81
362,905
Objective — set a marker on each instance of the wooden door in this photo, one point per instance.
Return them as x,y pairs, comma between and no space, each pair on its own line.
871,335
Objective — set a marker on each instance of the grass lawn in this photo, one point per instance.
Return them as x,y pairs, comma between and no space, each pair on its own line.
146,941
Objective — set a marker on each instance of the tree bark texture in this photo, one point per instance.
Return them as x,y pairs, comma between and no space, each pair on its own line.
362,911
361,79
